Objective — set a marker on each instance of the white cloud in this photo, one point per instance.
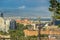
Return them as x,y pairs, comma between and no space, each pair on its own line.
22,7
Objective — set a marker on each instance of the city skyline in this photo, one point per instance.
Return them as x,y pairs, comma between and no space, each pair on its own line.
25,8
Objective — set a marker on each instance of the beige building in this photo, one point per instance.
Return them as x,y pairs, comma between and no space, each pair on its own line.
4,24
7,25
1,24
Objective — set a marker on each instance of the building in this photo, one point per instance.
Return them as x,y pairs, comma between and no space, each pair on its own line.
24,21
13,24
4,24
1,14
57,22
36,26
7,24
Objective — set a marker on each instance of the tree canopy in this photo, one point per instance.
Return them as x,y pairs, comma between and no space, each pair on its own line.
55,8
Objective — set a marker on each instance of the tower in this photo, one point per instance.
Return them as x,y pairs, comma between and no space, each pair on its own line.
1,14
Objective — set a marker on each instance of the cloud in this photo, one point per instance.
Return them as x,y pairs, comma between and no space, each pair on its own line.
22,7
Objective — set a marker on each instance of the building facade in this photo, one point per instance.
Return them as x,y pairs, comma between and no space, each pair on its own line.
1,14
7,24
13,24
57,22
4,24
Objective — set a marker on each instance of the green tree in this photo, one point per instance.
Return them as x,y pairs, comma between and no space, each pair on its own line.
53,5
59,26
18,32
55,8
58,11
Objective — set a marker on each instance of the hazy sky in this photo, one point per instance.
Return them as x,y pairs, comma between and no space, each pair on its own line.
25,7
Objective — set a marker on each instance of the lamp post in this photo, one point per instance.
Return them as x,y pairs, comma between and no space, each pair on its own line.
39,29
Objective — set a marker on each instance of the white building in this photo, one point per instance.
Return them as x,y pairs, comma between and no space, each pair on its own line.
1,24
4,25
7,25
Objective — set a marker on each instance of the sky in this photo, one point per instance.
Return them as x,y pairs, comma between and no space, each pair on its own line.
25,8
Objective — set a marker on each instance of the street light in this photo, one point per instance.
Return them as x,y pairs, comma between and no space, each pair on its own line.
40,25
